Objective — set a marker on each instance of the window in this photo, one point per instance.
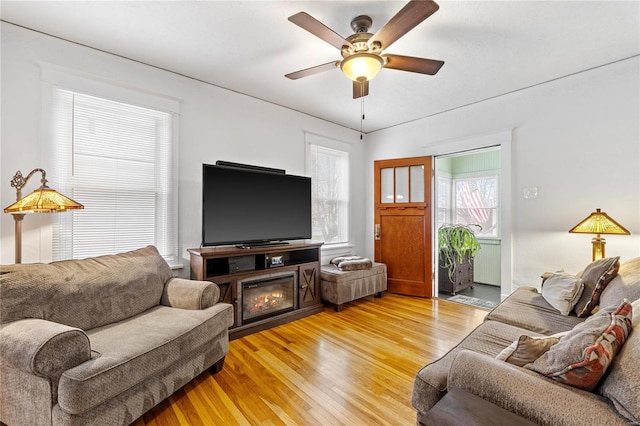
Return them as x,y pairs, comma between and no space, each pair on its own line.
329,171
476,202
116,159
444,201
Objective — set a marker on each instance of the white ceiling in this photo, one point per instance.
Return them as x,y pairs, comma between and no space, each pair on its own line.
489,47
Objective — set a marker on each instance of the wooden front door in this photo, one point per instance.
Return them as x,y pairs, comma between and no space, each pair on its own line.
402,191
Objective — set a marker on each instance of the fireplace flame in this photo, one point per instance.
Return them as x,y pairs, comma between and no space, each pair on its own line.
267,301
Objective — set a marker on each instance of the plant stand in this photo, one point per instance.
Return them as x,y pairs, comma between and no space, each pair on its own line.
462,276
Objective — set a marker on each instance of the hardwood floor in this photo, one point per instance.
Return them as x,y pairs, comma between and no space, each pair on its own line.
354,367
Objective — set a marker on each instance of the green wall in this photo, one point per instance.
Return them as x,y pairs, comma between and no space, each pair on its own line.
478,162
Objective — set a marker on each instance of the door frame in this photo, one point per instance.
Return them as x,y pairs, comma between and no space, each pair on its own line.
503,139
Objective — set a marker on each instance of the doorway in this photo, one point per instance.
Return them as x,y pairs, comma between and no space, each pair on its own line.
467,192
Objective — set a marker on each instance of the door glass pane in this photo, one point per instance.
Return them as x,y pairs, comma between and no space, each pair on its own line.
417,184
402,184
386,185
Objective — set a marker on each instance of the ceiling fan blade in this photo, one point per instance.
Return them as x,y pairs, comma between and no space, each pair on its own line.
360,89
409,63
317,28
313,70
404,21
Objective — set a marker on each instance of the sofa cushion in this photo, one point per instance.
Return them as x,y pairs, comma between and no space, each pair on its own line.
527,309
625,285
84,293
596,276
489,338
140,347
622,383
530,395
562,291
582,357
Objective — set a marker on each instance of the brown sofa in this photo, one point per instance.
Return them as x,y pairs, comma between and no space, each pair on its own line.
101,341
472,366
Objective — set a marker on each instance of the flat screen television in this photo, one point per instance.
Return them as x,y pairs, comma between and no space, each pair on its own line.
248,205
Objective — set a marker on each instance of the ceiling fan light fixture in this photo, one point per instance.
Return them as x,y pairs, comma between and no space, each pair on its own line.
361,66
362,51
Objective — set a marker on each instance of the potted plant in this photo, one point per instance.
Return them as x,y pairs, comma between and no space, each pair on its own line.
457,246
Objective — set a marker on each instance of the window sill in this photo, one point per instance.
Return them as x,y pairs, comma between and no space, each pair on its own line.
328,252
336,247
489,241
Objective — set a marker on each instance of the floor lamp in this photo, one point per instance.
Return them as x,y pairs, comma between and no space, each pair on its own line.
598,223
42,200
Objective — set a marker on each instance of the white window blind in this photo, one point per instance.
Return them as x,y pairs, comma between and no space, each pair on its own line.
116,160
329,171
444,201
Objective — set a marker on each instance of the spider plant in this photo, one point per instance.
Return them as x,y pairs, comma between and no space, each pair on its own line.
457,242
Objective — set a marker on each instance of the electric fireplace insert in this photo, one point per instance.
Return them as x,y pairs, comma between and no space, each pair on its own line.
267,297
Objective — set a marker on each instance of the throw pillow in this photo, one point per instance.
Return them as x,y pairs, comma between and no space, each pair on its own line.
596,277
562,291
545,276
526,349
622,383
581,358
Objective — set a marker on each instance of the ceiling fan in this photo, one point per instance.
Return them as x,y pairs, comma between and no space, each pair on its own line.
362,51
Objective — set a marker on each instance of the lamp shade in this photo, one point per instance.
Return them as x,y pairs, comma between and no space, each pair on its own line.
361,66
43,200
599,223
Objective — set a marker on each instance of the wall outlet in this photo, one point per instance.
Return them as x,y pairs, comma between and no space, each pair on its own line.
531,192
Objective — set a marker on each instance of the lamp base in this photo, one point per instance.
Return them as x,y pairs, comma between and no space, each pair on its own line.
18,236
598,247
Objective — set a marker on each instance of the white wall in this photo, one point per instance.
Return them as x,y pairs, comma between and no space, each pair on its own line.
214,124
576,139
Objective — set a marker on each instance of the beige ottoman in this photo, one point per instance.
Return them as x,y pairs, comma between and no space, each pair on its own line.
339,287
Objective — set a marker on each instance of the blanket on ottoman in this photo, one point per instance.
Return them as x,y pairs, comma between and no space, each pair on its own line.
351,263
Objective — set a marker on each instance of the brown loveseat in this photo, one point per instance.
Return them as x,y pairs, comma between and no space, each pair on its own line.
101,341
472,365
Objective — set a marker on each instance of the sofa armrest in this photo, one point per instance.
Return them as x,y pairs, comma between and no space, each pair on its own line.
43,348
190,294
527,393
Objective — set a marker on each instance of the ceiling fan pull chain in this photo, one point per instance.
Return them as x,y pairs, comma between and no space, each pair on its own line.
361,115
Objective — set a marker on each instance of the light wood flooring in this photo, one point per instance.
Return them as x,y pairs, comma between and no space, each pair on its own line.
354,367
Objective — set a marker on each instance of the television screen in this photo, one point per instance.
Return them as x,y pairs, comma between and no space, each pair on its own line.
243,205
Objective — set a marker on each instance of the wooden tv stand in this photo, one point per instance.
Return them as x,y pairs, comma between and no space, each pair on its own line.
230,266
